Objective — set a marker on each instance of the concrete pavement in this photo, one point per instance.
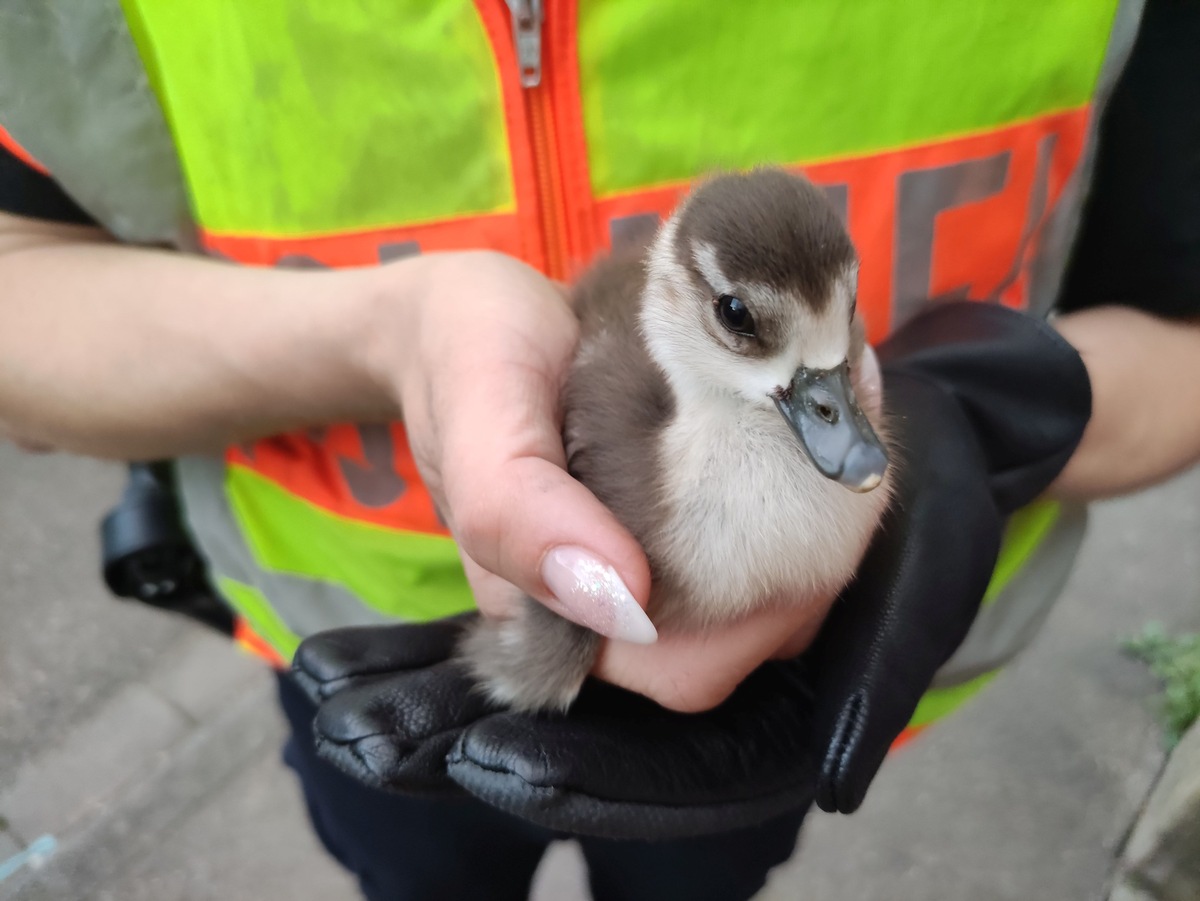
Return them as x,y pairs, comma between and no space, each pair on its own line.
146,751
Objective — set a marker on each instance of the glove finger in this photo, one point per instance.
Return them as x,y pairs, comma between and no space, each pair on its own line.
916,595
330,661
393,732
619,766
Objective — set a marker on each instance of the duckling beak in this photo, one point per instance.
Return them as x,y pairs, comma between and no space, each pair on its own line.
820,407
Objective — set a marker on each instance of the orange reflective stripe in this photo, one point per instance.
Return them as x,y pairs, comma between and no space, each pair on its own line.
253,643
973,245
906,736
336,470
9,143
499,232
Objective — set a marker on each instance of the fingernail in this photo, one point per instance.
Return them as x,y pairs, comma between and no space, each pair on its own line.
592,594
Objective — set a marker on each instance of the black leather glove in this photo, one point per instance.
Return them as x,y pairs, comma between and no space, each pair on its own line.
987,405
617,766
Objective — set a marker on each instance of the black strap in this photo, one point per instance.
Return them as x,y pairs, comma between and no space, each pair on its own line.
1139,243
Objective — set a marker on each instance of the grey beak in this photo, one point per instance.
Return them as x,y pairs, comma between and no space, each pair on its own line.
820,407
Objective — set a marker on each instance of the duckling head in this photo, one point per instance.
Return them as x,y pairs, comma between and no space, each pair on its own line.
750,299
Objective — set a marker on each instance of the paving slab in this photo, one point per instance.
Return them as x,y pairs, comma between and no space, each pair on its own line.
249,839
113,748
174,786
202,672
66,646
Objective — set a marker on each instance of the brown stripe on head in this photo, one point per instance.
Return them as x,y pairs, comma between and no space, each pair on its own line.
768,227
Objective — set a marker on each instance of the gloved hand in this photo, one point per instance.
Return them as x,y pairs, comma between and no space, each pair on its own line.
618,765
986,407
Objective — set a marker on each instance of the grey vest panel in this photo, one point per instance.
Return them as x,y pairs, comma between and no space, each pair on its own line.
74,93
1007,625
305,605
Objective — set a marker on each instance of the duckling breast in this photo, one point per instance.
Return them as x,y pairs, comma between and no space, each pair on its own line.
747,518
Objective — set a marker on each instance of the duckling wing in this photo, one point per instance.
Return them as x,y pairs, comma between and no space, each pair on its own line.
616,401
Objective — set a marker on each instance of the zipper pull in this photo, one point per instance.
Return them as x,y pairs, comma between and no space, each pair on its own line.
527,36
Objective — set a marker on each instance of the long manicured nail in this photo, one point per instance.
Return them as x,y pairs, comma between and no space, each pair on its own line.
591,593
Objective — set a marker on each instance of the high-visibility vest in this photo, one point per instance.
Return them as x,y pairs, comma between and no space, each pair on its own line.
955,139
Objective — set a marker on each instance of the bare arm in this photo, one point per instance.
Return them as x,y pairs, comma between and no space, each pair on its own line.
1145,424
132,353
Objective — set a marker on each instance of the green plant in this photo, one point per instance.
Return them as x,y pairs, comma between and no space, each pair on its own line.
1175,659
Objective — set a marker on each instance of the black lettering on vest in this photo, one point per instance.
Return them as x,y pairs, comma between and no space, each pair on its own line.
298,261
921,195
839,196
1039,194
398,250
374,483
630,231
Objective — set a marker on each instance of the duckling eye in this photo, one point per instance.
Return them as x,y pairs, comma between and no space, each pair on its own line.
735,315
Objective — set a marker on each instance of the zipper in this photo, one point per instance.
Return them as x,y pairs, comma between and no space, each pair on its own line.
528,17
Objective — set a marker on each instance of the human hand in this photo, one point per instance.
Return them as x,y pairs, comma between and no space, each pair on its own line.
478,367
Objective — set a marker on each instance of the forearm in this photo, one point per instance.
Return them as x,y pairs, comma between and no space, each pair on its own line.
134,353
1145,424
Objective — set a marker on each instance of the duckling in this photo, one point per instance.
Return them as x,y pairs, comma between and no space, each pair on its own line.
710,407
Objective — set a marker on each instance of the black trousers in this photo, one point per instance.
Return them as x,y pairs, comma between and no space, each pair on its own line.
413,849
